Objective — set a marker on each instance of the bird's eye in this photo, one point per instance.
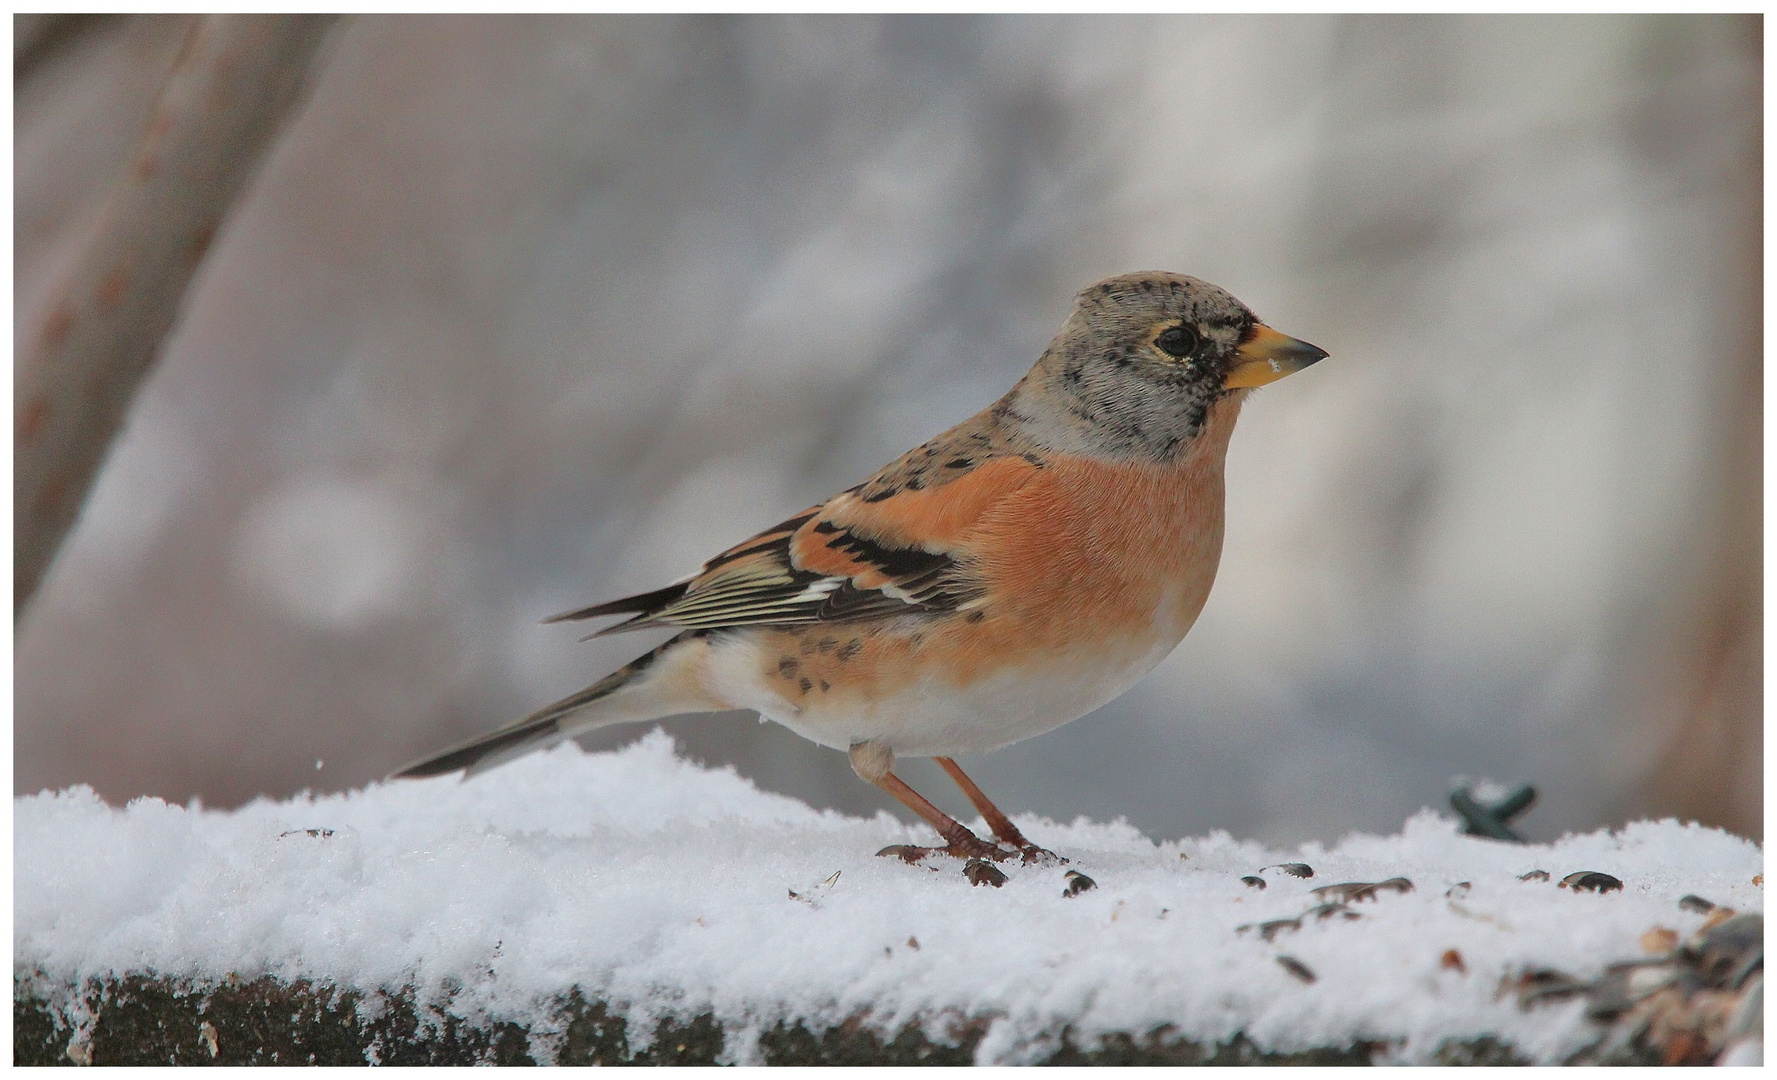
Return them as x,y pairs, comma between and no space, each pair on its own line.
1179,341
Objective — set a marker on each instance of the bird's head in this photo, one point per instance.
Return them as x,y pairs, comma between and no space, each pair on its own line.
1145,356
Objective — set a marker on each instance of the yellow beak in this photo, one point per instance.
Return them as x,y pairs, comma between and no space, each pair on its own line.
1268,356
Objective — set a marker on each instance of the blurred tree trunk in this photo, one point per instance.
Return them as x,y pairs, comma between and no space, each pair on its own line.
1706,693
221,108
35,36
1711,767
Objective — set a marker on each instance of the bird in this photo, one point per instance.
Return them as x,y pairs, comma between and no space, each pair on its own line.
1008,576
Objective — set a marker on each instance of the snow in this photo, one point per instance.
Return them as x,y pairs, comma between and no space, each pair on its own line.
665,888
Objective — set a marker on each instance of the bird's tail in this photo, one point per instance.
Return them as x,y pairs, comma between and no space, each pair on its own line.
618,698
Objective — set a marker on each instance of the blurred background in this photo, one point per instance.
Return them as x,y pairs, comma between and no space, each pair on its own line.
526,313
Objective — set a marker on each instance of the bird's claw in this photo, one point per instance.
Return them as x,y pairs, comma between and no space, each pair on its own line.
973,849
979,850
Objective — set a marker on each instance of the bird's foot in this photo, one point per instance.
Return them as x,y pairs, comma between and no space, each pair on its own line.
972,848
981,856
910,853
1007,837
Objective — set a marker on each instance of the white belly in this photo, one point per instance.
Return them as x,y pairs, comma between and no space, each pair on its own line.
932,717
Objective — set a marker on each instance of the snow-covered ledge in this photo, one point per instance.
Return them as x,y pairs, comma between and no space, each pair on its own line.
633,906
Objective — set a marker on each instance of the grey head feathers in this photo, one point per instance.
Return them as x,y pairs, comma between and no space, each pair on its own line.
1135,370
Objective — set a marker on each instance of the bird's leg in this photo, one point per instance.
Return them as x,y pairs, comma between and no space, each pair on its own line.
875,762
996,819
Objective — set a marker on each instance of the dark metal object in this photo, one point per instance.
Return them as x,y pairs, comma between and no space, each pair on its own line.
1490,821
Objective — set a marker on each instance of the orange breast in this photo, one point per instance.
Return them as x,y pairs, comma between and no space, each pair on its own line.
1098,559
1085,563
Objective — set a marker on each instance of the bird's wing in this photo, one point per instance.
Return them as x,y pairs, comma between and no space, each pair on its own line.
894,545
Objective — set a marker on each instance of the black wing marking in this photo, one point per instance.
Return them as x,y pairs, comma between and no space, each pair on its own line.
757,583
646,604
648,601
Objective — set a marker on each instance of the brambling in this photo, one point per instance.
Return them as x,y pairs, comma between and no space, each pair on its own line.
1012,574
